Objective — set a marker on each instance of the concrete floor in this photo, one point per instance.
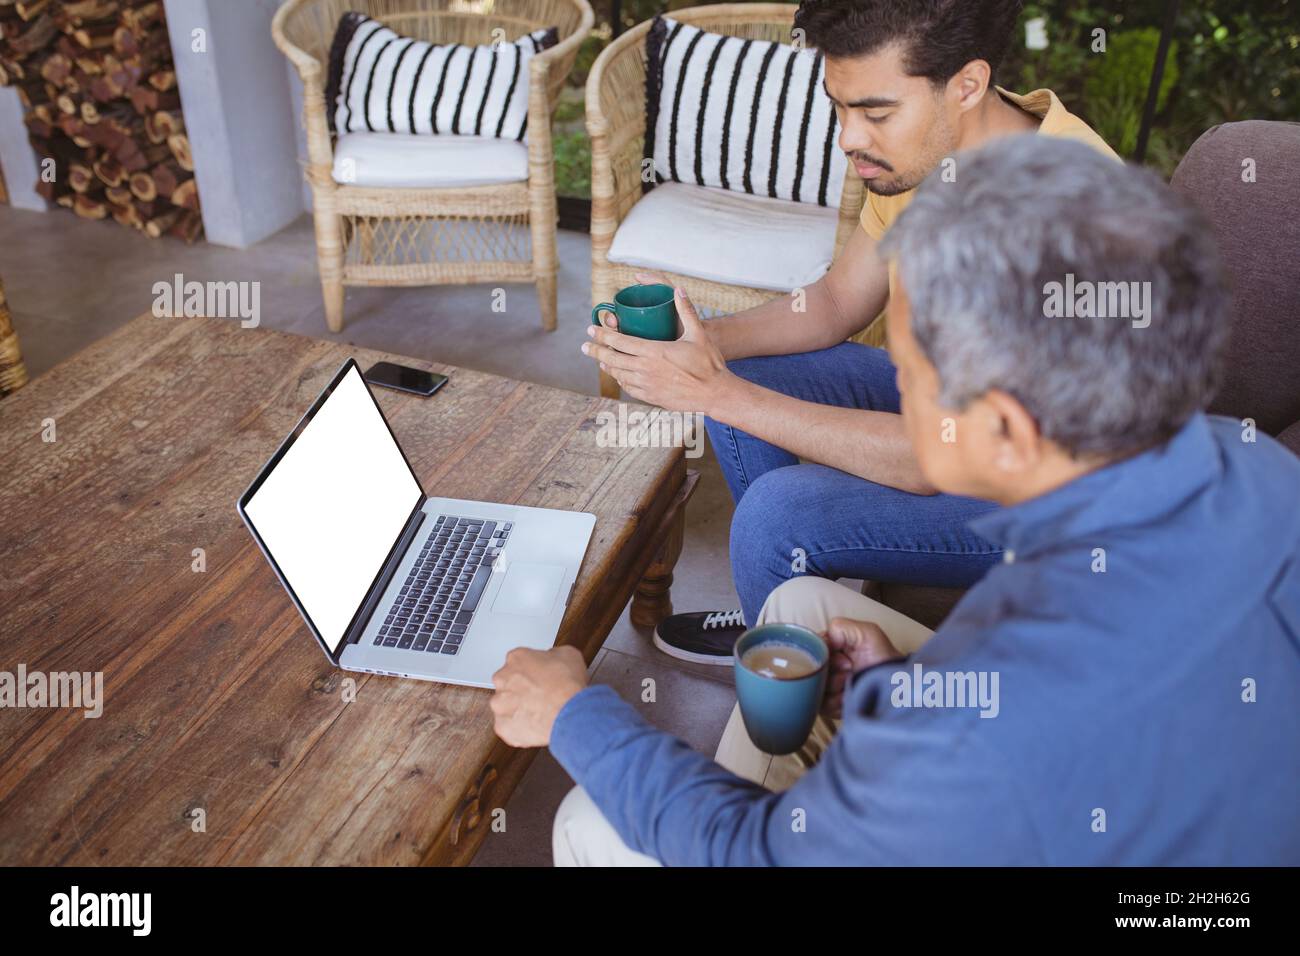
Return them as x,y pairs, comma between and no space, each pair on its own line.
71,281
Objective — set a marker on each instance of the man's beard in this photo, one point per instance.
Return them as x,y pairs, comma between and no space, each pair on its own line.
887,189
893,188
939,144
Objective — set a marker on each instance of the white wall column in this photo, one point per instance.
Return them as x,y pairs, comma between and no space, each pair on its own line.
17,158
239,117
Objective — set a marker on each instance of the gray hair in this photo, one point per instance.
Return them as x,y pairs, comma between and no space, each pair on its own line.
1027,216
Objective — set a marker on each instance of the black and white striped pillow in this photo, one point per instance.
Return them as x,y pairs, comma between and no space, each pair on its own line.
745,115
382,82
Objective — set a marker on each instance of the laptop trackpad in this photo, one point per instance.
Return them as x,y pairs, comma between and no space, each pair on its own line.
529,589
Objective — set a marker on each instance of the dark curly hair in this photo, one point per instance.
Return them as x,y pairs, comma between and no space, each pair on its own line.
939,36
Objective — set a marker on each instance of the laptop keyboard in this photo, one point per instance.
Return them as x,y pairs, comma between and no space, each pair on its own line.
437,601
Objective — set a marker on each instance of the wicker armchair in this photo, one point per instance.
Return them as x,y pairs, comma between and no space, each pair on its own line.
616,124
433,236
13,374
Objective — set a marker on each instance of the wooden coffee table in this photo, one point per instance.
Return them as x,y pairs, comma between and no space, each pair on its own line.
122,553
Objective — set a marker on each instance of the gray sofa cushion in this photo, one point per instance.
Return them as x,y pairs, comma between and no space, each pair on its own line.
1291,438
1257,225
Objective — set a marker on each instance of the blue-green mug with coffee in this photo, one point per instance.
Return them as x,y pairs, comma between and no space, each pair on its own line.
780,679
646,311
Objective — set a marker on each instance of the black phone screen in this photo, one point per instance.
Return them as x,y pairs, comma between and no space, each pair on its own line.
404,378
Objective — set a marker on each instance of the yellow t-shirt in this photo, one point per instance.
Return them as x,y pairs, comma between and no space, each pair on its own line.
879,212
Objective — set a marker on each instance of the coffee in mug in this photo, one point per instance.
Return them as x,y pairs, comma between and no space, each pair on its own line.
780,674
779,660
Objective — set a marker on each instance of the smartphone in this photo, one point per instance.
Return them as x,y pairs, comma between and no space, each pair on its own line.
404,378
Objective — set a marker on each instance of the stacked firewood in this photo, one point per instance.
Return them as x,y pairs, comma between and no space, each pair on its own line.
98,87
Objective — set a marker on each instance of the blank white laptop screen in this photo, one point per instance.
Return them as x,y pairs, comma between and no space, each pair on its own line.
331,509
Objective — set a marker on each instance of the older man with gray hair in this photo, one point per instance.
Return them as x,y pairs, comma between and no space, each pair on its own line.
1058,329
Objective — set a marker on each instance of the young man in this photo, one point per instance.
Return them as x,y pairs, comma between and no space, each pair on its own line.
1131,688
912,87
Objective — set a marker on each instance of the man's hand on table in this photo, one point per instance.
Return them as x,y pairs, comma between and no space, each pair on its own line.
531,690
854,646
687,375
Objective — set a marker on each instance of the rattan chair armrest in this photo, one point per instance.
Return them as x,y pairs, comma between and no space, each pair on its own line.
851,199
569,45
308,66
551,67
320,147
615,150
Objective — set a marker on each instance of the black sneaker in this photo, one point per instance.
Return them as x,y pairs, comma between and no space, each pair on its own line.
705,637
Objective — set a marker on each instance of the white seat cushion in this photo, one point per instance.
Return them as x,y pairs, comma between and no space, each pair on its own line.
402,160
727,237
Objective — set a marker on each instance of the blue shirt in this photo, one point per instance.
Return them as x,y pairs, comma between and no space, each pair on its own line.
1145,637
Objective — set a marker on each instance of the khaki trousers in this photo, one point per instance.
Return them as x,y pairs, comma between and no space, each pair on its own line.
583,837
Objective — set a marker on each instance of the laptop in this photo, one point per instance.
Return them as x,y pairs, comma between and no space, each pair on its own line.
390,580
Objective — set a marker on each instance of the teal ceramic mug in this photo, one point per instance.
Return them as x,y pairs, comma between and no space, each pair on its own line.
779,711
646,311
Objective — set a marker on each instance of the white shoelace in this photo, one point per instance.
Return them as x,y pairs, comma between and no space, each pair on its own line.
734,618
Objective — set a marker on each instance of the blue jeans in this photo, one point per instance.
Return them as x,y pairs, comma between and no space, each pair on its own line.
794,518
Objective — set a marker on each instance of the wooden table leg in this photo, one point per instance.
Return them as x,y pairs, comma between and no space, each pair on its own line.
652,600
13,374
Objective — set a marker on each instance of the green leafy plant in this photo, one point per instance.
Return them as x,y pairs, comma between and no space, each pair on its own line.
572,164
1116,89
1230,60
